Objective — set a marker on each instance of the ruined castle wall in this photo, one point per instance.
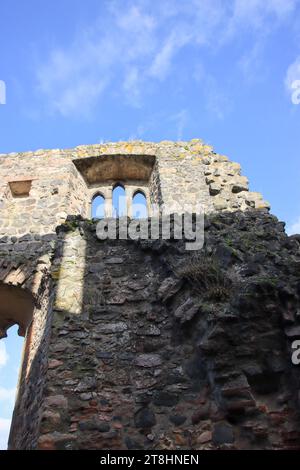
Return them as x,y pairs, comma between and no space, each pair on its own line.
25,267
24,432
155,187
135,356
78,196
181,172
139,357
42,209
189,172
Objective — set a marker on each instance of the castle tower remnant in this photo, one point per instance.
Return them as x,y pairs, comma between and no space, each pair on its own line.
135,344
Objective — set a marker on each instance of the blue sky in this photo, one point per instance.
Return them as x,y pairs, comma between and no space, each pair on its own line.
10,357
222,70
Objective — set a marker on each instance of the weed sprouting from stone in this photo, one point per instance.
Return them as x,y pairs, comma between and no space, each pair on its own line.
207,277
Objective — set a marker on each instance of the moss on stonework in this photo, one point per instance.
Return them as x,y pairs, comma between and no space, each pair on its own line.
71,225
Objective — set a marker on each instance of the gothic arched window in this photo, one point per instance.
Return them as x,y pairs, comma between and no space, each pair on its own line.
98,207
119,201
139,205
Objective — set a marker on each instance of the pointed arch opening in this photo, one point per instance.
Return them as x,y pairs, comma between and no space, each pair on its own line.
16,314
119,201
98,207
139,205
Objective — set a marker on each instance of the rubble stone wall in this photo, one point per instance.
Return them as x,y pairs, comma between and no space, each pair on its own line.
143,354
185,172
25,266
142,344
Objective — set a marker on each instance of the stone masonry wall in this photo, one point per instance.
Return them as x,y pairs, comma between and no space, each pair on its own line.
147,352
25,266
128,346
25,427
186,172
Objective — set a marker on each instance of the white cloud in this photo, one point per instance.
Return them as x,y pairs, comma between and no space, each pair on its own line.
294,227
4,432
3,354
73,78
136,43
163,59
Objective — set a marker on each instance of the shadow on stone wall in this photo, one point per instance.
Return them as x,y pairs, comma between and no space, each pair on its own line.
154,347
